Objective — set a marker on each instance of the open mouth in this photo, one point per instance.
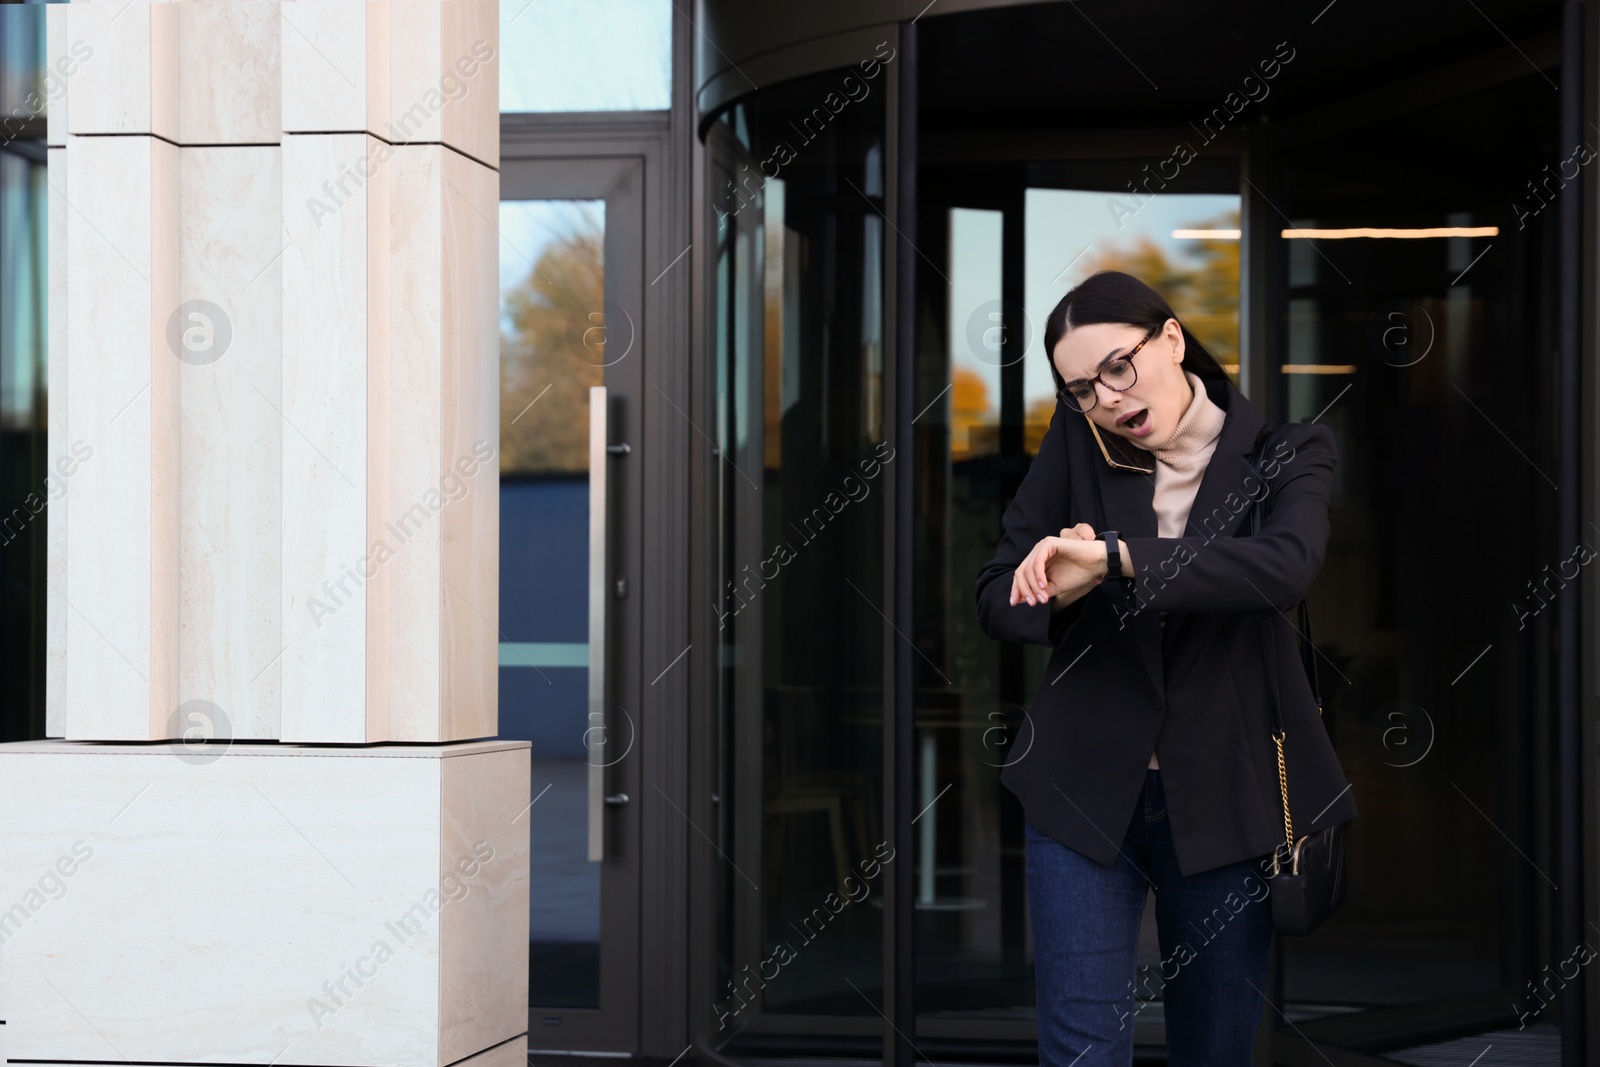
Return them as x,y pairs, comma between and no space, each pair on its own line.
1134,420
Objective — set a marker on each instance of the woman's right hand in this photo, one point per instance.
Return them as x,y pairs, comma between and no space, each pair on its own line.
1021,585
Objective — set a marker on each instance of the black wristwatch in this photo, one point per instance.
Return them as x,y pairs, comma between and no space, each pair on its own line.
1113,554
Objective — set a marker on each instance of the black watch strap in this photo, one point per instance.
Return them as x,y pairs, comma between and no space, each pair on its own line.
1113,554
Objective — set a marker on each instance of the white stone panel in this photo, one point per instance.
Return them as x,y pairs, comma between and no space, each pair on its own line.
444,530
335,65
129,84
512,1053
63,465
471,417
229,73
122,547
61,61
379,473
159,909
414,529
445,75
483,970
194,441
232,435
335,468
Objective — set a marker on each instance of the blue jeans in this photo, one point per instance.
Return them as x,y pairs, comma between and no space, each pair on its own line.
1215,931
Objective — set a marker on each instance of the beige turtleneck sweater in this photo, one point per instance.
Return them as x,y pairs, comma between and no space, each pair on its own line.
1180,463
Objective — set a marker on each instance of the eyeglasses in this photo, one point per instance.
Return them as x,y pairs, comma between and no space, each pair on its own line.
1118,375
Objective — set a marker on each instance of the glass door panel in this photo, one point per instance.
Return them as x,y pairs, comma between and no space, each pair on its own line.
571,240
799,271
552,261
986,399
1441,700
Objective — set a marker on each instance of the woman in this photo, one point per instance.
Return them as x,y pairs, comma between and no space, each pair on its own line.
1147,761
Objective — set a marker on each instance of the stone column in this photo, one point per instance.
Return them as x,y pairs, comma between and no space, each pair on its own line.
274,403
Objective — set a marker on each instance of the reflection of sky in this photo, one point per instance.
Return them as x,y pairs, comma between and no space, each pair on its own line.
527,227
1062,223
974,286
585,55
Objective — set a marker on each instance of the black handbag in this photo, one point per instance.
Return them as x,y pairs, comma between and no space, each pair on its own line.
1307,882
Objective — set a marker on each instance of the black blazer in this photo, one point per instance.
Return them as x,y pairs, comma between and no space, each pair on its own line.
1119,684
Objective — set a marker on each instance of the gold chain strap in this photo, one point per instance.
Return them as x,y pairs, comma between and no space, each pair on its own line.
1283,787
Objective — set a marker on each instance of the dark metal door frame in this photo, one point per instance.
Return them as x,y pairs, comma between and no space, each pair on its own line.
629,160
613,1027
899,729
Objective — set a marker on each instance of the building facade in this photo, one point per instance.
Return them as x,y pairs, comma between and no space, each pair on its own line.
686,519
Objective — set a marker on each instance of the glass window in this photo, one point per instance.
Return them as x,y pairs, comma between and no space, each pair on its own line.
552,257
24,486
1184,245
1436,704
23,92
800,478
598,55
22,264
975,332
985,405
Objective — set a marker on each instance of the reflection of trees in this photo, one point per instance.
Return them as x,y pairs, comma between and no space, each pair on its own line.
973,429
1036,421
541,349
1203,291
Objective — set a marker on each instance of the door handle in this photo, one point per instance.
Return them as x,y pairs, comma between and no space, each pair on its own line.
617,800
595,735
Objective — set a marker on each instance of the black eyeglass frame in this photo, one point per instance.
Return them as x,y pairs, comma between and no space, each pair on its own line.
1072,403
